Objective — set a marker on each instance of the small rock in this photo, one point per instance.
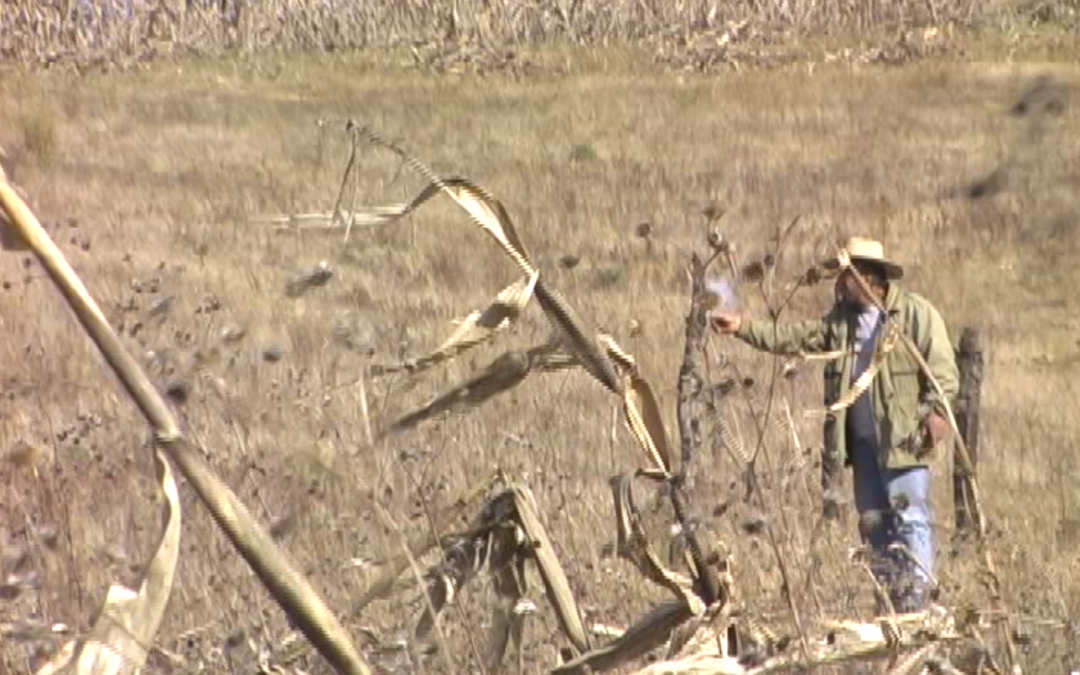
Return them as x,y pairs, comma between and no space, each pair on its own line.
754,524
49,536
160,306
178,391
313,278
232,333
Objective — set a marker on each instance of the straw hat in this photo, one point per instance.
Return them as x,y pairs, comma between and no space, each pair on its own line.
868,250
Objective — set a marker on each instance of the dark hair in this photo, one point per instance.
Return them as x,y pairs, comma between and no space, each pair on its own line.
875,274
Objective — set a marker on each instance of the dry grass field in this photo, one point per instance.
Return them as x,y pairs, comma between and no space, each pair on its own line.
152,178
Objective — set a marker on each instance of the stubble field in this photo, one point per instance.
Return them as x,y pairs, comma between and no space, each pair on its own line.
152,182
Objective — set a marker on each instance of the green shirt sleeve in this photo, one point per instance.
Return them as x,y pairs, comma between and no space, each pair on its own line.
792,337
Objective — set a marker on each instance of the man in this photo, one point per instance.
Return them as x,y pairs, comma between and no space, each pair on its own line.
888,433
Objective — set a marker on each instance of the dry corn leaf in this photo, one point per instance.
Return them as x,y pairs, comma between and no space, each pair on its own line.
858,388
636,547
124,631
464,557
371,216
867,377
914,663
640,406
551,571
701,628
648,633
490,543
843,642
474,330
507,371
484,209
622,358
555,360
643,417
492,216
728,436
506,535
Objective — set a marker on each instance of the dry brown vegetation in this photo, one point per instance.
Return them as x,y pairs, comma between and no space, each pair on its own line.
498,34
151,181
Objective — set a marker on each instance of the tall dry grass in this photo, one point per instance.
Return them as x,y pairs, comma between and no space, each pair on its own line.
52,30
152,181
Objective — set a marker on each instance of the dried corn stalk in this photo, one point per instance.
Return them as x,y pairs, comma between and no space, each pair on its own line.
394,566
492,544
648,633
368,217
505,536
492,217
610,365
600,356
636,548
835,643
288,587
676,620
555,582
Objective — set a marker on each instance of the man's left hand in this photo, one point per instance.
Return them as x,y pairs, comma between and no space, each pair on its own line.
937,428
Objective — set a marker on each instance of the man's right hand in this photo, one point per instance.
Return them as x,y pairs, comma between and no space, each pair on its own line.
725,323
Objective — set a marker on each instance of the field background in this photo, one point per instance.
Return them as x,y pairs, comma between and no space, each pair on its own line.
149,146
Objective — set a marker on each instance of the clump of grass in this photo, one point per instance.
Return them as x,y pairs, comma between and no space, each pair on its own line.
582,152
39,129
610,277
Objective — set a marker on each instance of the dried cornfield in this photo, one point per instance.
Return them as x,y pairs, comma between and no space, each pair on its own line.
123,32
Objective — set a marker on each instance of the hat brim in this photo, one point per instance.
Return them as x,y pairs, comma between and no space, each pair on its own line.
892,270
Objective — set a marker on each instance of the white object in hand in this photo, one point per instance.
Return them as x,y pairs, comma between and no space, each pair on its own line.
724,290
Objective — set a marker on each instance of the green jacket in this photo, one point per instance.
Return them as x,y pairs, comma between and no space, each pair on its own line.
903,396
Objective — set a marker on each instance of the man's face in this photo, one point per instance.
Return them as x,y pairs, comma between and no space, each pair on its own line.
848,288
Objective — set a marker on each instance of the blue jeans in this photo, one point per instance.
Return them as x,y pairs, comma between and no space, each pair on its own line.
894,508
